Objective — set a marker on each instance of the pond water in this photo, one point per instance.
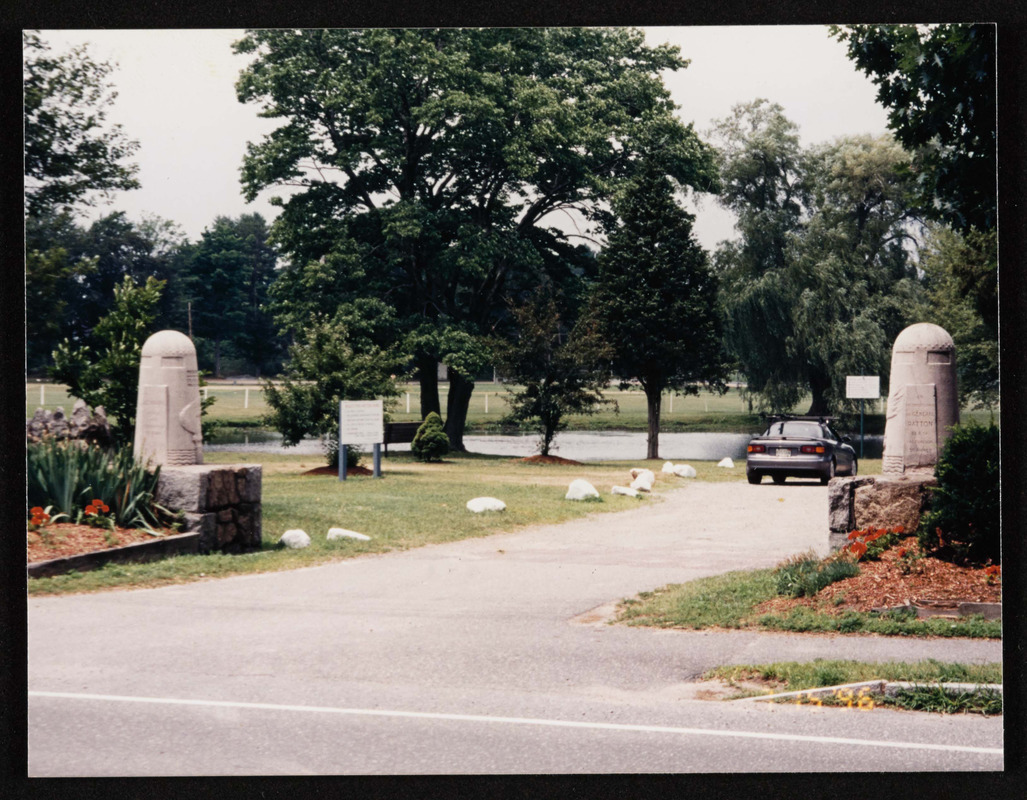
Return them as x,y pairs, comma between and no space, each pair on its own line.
579,446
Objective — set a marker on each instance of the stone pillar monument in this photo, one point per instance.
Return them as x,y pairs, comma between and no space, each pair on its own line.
922,408
222,502
923,403
168,410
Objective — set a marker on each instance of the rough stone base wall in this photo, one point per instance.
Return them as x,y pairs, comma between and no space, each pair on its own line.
879,501
221,501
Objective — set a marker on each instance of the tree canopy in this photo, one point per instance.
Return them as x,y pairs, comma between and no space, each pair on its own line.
938,84
820,282
428,167
72,154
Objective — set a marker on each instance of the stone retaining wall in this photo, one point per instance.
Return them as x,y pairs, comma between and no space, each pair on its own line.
879,501
221,501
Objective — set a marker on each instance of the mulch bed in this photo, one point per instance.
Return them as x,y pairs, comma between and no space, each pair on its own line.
882,584
62,539
335,471
550,460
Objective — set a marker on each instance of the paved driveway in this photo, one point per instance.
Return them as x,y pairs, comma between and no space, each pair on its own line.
471,657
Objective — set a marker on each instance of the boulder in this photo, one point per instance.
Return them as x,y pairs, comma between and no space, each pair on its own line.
643,483
685,471
626,490
480,504
727,463
295,539
639,471
342,533
581,489
668,468
891,501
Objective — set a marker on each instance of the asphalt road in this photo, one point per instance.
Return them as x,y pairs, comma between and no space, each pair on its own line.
482,656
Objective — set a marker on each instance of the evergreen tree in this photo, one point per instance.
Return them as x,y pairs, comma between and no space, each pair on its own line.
655,300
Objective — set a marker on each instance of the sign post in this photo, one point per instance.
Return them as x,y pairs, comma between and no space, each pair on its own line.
361,422
862,387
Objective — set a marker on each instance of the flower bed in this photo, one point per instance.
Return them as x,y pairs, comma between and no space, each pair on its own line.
899,575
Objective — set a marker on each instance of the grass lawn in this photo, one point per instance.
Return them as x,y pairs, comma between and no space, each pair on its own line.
414,504
729,601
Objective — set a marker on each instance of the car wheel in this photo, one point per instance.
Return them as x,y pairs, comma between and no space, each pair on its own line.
855,468
833,469
778,479
753,477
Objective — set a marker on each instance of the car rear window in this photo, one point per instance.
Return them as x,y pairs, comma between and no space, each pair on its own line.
810,430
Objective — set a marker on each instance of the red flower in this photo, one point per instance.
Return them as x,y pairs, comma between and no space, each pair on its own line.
902,552
90,510
36,511
900,529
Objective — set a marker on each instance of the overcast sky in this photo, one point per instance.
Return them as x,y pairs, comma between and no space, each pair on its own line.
176,97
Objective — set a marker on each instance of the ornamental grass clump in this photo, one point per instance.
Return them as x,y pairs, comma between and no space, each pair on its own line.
71,477
806,574
430,442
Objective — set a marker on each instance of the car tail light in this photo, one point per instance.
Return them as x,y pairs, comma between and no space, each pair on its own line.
812,448
757,448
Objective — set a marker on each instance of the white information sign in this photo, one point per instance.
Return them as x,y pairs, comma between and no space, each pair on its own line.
863,387
361,422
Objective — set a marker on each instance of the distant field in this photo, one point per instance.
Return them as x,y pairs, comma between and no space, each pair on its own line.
243,404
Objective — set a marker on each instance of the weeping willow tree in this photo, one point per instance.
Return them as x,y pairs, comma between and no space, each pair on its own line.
821,280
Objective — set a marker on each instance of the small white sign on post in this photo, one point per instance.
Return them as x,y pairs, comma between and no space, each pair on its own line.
862,387
361,422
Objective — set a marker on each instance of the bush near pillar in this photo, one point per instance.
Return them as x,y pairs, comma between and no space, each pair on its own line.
964,523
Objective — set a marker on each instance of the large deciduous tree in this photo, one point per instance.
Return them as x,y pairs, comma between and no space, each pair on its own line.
655,300
938,84
73,158
427,167
821,280
72,154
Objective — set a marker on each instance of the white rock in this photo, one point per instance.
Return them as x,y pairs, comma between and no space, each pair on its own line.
625,490
727,463
644,480
684,471
342,533
581,489
639,471
479,504
295,539
668,468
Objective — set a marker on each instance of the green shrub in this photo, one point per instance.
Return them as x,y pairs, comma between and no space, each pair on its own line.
430,442
68,475
807,574
963,524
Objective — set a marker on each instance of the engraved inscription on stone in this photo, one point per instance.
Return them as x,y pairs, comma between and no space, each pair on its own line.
923,401
920,425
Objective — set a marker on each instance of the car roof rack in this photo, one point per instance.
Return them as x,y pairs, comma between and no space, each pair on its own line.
803,417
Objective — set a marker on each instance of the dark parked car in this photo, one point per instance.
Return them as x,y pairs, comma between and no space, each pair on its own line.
800,447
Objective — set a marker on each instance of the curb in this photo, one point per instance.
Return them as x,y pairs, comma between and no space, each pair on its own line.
888,688
140,551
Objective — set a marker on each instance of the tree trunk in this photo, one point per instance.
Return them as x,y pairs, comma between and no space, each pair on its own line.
459,399
653,395
428,376
818,385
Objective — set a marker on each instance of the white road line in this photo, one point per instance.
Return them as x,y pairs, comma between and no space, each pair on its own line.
552,723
